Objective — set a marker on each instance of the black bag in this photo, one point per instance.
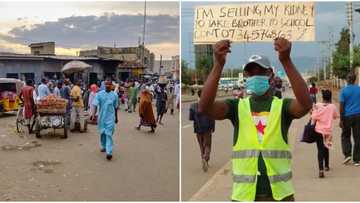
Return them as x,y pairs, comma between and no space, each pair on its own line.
309,134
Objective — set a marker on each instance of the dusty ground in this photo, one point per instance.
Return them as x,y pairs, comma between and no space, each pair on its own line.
144,167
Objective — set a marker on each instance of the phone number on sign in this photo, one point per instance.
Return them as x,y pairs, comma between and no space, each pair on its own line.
244,35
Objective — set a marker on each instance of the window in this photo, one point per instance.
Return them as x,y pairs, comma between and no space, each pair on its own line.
12,75
27,76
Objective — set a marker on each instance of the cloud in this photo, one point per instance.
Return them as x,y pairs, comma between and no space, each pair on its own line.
167,50
14,47
87,31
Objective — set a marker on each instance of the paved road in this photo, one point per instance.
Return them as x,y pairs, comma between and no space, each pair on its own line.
192,176
144,167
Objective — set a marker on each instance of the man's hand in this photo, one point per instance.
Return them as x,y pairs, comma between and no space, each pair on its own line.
283,47
221,49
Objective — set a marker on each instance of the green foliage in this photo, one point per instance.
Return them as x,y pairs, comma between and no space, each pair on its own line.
313,79
341,56
185,73
203,68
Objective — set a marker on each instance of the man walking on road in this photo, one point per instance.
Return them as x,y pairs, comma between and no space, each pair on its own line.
107,102
77,110
350,119
203,127
26,96
261,154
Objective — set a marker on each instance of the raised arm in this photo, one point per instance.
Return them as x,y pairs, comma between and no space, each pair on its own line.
302,104
207,104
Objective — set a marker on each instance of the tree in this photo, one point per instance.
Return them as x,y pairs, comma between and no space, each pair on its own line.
203,67
341,56
185,72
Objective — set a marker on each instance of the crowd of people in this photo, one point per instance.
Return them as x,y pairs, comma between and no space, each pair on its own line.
101,101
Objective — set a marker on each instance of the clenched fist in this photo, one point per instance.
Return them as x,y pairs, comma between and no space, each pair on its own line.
221,49
283,47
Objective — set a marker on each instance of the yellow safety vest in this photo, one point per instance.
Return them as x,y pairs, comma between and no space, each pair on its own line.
274,150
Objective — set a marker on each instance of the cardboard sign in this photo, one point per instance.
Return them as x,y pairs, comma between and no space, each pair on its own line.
254,22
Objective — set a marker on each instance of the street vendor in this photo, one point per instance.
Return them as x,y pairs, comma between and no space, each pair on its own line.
107,102
77,110
43,89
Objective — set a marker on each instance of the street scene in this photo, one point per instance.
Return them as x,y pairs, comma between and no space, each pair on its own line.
90,98
268,114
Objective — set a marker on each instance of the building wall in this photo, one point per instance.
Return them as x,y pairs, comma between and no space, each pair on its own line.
39,67
44,49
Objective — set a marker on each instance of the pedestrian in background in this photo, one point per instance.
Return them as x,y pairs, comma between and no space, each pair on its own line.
170,99
77,109
323,115
203,128
58,88
146,113
313,90
350,119
43,89
161,99
26,96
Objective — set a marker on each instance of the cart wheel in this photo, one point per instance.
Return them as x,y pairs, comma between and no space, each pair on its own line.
37,129
19,126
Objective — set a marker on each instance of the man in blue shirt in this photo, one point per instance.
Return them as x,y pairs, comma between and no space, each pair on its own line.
350,119
107,102
43,89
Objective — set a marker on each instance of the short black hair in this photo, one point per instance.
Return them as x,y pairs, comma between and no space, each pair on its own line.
351,78
43,80
199,93
326,95
29,82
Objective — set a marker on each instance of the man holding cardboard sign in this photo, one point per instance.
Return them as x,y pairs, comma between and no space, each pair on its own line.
261,155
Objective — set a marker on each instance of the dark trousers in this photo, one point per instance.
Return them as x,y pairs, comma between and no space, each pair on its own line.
351,124
323,152
271,199
204,140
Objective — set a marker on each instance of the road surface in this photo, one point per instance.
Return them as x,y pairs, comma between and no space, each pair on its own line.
144,167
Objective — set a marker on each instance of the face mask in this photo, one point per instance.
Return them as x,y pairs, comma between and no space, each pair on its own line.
257,85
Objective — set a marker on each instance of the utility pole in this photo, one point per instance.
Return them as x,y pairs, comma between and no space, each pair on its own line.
143,37
349,18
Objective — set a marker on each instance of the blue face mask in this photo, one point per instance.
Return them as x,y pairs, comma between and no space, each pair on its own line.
257,84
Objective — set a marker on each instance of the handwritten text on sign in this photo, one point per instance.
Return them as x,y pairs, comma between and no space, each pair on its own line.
255,22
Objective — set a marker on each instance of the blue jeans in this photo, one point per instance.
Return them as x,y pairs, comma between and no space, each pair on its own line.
106,142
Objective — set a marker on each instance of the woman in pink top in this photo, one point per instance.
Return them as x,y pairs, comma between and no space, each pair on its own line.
323,115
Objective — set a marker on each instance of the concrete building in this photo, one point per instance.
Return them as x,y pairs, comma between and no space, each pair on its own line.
134,63
176,67
26,66
43,48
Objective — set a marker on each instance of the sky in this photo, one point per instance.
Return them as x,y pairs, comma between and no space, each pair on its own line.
330,18
78,26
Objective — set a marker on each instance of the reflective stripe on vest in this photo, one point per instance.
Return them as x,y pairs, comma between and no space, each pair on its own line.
275,154
251,179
